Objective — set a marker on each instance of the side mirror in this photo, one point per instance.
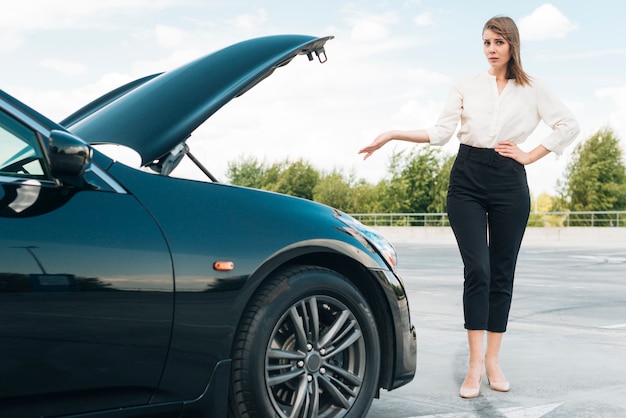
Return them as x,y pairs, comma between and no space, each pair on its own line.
69,157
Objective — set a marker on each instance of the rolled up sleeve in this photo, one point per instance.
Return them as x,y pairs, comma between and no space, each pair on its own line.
440,133
557,116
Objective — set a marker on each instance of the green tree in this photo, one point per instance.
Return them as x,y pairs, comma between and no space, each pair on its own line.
418,182
440,189
420,172
246,171
272,175
560,203
393,192
596,175
334,190
544,202
297,178
366,197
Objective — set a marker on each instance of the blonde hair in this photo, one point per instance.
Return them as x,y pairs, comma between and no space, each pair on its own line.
506,27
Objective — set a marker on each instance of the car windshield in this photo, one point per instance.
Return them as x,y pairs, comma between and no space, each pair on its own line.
19,149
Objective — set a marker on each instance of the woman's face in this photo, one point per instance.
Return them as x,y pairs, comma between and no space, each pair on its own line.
496,50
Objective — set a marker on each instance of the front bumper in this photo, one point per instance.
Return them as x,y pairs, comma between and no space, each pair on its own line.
405,355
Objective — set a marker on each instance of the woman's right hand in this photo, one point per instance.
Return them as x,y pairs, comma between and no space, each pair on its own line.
380,140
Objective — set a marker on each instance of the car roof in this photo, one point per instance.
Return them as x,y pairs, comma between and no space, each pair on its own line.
155,114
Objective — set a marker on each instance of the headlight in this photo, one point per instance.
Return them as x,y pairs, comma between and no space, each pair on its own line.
376,240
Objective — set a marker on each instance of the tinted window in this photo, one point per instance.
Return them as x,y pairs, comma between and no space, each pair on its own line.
20,150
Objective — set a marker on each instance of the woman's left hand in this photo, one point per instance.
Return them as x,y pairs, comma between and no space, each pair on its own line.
511,150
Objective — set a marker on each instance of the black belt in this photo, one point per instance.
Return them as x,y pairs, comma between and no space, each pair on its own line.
482,155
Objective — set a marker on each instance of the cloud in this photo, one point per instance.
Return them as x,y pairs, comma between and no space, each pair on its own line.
546,22
67,68
424,19
369,31
583,55
29,15
10,40
250,21
420,76
169,36
178,57
59,103
617,118
372,27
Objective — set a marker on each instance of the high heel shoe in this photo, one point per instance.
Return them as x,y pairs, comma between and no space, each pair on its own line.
469,393
499,386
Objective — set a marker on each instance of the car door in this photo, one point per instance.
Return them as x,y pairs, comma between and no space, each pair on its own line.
86,286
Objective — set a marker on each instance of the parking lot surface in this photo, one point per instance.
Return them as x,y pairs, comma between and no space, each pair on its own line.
565,349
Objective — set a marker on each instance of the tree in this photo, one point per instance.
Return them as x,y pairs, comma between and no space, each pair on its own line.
596,175
418,183
366,197
440,189
246,171
393,192
346,193
333,190
296,179
542,203
546,203
420,172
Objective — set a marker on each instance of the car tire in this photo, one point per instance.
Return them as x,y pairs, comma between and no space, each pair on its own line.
307,346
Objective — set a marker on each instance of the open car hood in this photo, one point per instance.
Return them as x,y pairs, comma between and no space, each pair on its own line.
155,114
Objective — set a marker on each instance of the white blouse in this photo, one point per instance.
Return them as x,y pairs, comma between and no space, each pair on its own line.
488,117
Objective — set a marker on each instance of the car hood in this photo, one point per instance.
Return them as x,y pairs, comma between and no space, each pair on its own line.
156,113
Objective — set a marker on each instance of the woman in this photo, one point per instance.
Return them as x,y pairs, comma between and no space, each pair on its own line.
488,199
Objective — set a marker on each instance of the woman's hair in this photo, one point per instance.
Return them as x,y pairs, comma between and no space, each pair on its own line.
506,27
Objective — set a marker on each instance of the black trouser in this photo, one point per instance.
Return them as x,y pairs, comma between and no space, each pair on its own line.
488,208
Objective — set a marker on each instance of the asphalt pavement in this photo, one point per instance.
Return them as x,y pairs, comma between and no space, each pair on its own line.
564,353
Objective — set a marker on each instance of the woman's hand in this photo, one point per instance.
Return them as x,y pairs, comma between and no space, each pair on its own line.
380,140
511,150
417,136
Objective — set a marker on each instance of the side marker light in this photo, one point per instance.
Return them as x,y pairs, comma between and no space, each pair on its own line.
223,265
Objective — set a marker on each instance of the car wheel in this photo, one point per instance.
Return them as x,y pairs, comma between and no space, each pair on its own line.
307,347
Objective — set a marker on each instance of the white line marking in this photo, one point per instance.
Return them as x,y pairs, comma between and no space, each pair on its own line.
614,326
515,412
532,412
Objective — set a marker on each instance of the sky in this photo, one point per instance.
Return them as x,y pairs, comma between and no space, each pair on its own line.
390,66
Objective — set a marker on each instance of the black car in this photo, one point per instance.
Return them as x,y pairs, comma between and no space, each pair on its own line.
127,292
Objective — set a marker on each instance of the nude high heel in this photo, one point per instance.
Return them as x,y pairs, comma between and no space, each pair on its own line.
469,393
499,386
